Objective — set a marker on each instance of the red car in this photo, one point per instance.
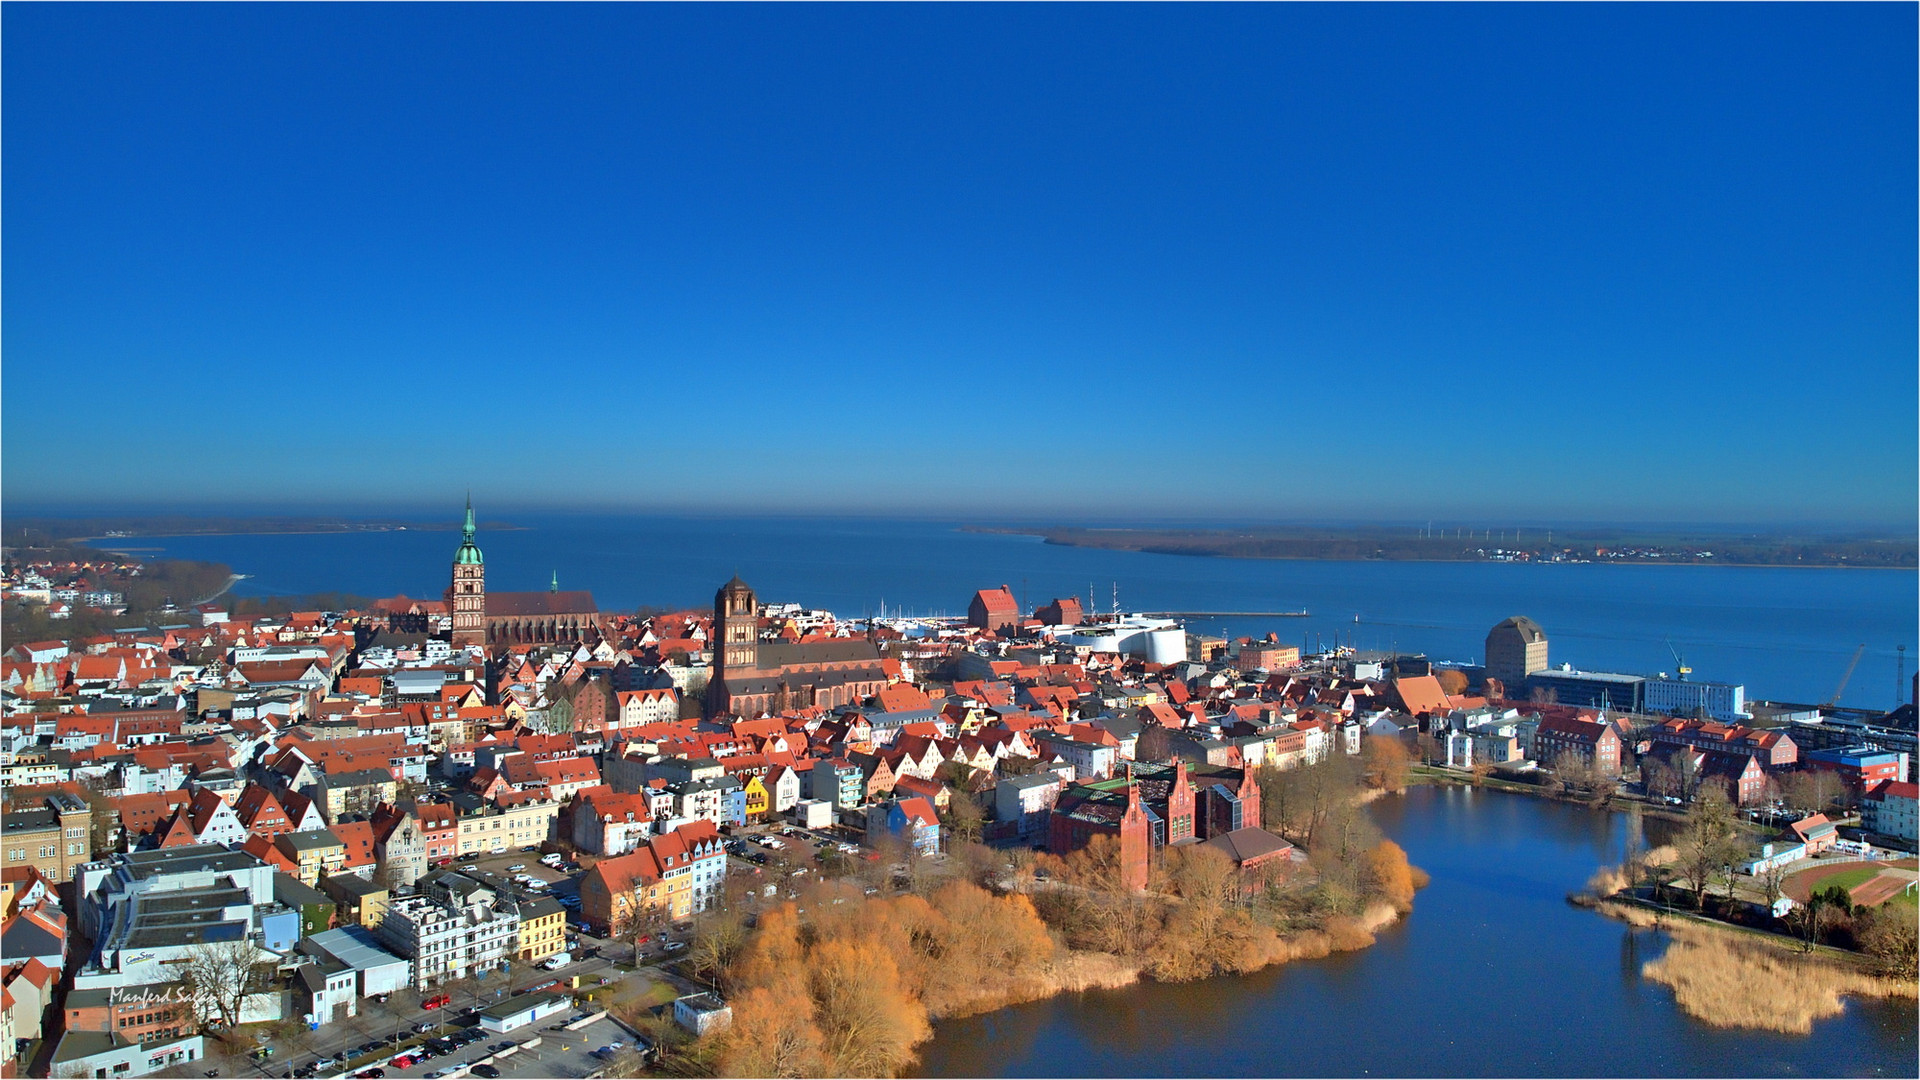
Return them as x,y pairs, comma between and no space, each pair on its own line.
404,1061
437,1001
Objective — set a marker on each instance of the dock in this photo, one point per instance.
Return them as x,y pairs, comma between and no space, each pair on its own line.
1228,614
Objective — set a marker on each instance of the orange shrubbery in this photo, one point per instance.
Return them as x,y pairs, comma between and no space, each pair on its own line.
850,988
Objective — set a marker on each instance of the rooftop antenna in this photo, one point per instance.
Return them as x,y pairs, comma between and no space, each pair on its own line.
1900,675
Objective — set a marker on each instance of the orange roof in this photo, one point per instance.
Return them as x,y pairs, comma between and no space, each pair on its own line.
358,838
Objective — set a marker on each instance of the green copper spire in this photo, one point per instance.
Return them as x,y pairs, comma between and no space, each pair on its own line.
468,555
555,587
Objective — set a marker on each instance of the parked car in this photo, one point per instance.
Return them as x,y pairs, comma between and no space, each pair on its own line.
424,1026
438,1001
516,868
404,1061
486,1070
676,946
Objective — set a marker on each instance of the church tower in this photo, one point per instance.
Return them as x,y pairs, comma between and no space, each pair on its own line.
1135,842
736,647
467,596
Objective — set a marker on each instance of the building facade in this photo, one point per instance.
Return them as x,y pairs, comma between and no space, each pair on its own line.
55,839
1516,648
457,929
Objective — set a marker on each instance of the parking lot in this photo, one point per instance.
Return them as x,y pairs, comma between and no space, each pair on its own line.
566,1054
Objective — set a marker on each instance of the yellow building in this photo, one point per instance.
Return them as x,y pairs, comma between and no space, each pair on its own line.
543,929
317,852
758,802
515,822
360,901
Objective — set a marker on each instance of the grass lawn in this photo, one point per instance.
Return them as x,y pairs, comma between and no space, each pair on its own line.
1851,878
1847,879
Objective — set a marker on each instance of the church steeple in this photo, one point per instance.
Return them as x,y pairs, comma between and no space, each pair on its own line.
469,553
555,585
467,596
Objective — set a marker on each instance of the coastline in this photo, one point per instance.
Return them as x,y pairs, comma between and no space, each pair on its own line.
95,541
1150,549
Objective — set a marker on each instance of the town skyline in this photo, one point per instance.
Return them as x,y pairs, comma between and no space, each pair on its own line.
1544,265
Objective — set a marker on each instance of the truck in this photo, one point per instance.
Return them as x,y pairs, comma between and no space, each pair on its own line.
438,1001
558,961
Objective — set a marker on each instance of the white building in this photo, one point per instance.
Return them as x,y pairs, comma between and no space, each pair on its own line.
1026,800
457,930
1889,811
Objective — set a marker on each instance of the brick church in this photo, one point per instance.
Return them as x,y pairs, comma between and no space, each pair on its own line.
751,677
496,620
1153,807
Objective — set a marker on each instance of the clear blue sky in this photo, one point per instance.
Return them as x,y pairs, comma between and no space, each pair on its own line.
1573,262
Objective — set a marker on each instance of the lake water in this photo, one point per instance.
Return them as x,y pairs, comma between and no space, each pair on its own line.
1786,633
1494,974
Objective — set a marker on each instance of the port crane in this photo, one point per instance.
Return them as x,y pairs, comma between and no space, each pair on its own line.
1679,664
1845,677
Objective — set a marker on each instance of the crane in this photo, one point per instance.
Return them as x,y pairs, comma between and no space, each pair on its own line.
1848,674
1678,662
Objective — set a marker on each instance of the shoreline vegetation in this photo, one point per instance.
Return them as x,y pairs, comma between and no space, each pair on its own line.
838,982
1727,975
1405,544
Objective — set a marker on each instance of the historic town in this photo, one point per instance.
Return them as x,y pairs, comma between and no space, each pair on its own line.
508,834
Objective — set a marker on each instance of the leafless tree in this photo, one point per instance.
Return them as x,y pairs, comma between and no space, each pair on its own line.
221,975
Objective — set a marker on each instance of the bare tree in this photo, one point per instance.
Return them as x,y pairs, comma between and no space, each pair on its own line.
1772,882
221,976
1154,744
963,820
1708,841
636,923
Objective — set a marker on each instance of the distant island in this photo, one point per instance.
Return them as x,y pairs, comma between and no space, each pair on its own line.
1415,544
33,531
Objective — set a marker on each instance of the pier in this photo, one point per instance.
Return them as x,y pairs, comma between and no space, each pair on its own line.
1228,614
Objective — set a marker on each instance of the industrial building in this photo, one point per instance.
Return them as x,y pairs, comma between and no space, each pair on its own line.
1516,648
1158,641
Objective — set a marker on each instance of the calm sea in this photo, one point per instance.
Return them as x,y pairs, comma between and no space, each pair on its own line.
1787,633
1494,974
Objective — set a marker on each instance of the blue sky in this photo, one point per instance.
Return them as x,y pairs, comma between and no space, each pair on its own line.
1574,262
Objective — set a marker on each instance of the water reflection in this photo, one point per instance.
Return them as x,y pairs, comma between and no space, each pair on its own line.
1520,975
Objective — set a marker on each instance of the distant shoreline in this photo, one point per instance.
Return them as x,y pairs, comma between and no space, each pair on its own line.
111,542
1362,546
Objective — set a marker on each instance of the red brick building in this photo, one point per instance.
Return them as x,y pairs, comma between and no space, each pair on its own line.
135,1013
1063,611
995,610
1592,742
1153,807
